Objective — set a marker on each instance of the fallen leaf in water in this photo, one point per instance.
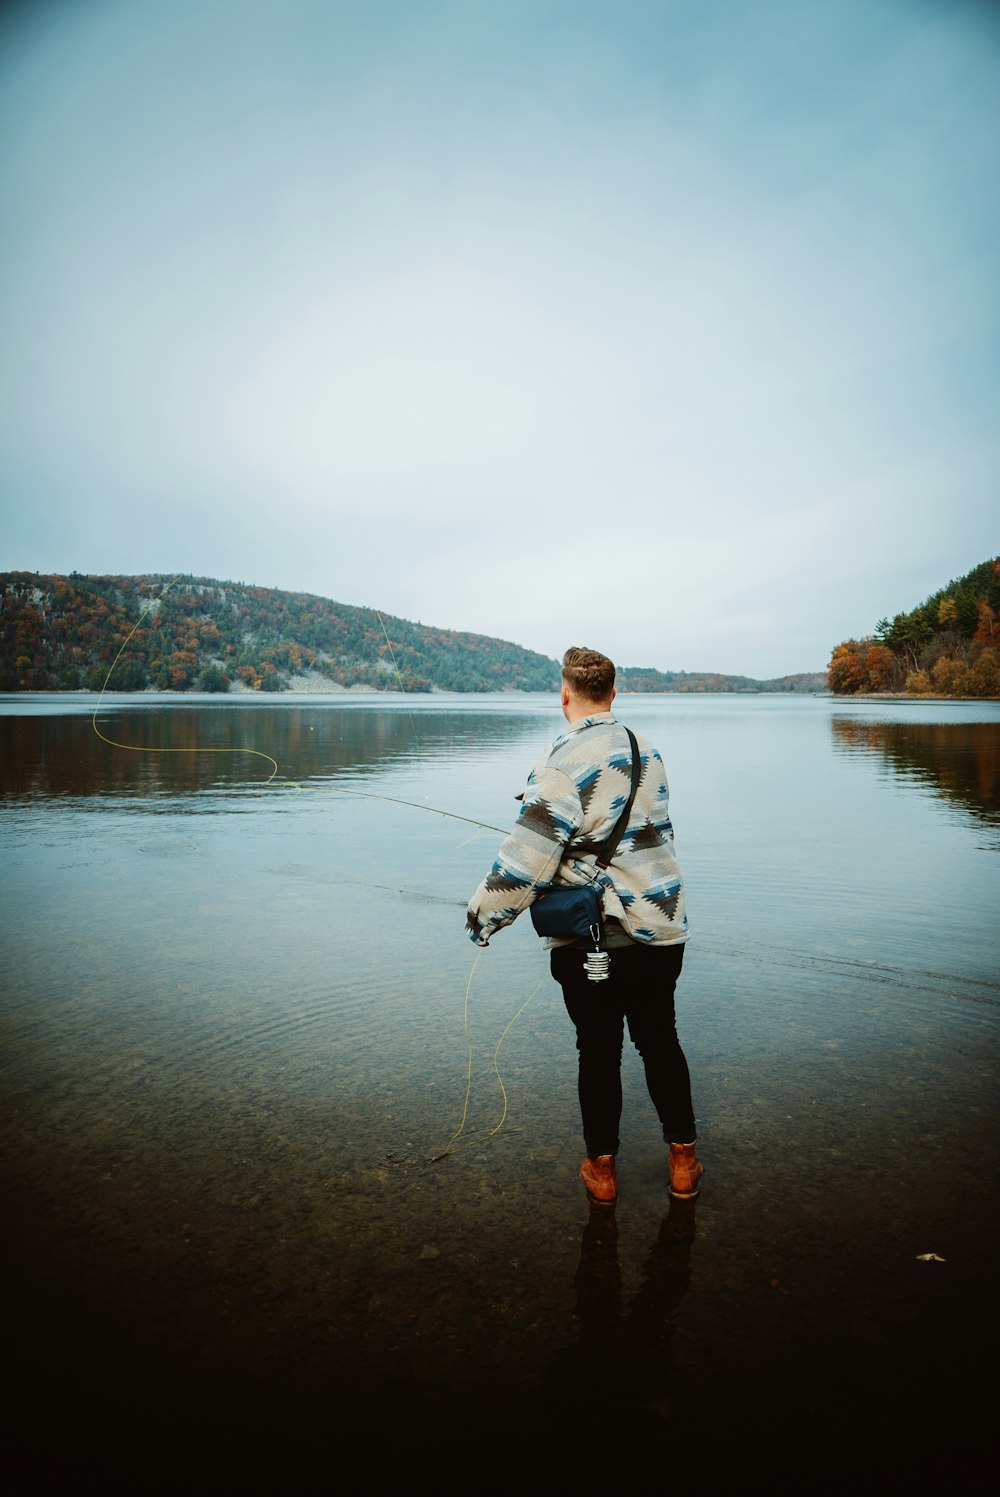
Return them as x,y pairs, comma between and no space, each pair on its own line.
929,1258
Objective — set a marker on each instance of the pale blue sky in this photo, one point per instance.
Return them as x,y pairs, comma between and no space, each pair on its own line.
666,328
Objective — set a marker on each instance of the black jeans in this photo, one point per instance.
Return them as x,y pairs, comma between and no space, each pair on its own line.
639,992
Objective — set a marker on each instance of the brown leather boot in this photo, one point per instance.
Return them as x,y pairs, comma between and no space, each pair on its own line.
685,1171
600,1179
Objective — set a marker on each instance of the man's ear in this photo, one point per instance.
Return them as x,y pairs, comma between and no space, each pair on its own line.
564,695
614,692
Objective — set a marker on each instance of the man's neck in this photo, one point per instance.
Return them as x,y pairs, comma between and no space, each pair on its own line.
577,710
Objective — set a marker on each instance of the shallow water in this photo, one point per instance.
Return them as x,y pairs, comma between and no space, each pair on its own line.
235,1044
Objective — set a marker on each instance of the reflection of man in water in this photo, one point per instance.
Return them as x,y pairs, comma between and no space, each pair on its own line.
572,802
629,1354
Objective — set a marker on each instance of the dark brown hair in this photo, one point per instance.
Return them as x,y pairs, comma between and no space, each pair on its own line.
588,674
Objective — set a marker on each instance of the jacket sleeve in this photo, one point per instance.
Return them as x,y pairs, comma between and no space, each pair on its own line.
551,815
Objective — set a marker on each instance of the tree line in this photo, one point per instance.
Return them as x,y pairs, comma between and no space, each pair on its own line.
948,646
198,634
645,678
80,633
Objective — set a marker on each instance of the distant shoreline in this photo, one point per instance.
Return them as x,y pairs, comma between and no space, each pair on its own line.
333,690
903,696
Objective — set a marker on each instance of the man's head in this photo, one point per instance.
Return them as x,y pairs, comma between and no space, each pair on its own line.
588,683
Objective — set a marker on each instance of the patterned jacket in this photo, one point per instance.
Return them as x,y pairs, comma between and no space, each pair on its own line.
573,799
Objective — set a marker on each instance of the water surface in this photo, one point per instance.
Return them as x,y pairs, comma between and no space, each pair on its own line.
237,1013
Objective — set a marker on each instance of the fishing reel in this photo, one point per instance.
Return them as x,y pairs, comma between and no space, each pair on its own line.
597,963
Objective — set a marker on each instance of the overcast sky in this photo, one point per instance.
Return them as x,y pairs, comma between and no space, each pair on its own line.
666,328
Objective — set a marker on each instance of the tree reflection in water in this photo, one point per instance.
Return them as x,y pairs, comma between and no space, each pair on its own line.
960,761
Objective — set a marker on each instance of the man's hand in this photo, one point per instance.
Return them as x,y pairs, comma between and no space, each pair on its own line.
474,929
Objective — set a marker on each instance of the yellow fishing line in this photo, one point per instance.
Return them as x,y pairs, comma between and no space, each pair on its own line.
399,678
138,748
392,653
468,1083
448,1149
496,1053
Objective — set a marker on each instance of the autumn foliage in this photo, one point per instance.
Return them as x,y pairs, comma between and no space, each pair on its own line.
949,646
65,633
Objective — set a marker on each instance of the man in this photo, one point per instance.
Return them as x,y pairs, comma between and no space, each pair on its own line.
572,802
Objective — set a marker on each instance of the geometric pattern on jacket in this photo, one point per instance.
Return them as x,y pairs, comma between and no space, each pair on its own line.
573,799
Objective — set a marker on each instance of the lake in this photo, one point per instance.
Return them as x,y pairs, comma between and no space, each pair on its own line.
238,1011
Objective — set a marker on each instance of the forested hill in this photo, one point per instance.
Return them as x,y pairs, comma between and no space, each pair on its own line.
947,646
62,633
644,678
199,634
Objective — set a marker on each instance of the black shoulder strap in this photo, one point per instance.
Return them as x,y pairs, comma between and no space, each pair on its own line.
606,850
